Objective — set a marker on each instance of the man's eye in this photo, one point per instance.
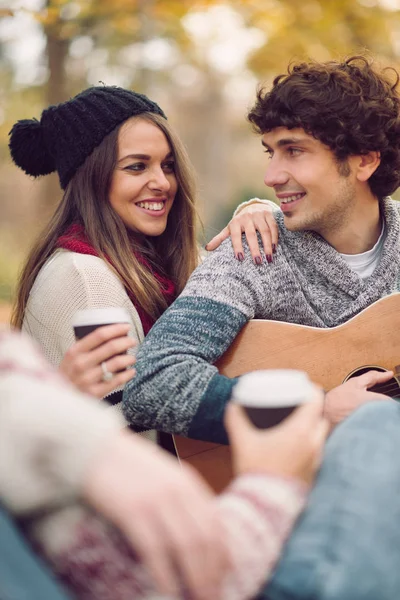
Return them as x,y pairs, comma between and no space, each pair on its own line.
294,151
169,167
269,152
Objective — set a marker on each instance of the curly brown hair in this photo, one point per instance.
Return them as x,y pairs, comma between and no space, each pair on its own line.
348,106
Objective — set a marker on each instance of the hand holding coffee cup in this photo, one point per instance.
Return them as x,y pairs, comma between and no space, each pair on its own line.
98,362
269,396
293,448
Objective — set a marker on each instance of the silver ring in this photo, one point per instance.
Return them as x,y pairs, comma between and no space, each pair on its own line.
107,375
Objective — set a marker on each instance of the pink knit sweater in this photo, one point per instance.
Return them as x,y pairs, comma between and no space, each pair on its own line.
40,410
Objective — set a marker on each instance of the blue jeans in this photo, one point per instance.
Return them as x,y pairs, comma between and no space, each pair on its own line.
23,576
346,545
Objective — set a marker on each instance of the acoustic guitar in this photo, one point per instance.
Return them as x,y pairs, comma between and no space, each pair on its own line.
329,356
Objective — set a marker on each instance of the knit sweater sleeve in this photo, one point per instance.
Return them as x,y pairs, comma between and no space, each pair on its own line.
46,445
67,283
257,513
274,207
177,388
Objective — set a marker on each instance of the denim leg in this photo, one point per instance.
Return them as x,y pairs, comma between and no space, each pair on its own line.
23,576
346,545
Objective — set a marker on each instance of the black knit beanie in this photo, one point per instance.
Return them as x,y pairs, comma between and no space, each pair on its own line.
69,132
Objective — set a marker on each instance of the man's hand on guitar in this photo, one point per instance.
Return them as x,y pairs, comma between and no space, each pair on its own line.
341,401
291,449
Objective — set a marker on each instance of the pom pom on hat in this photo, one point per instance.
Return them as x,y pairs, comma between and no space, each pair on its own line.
28,148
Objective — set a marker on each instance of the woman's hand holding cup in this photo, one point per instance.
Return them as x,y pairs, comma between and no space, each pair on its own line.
292,448
98,362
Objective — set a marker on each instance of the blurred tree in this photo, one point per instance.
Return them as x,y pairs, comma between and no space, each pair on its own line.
124,38
321,29
110,25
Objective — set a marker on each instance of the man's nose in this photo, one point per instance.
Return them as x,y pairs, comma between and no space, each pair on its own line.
275,174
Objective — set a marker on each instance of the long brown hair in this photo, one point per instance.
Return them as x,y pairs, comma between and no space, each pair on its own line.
86,202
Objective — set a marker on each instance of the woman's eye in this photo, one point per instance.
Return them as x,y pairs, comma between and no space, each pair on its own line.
269,153
135,167
169,167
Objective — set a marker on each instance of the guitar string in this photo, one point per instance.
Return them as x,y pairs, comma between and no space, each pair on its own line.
387,388
389,385
388,392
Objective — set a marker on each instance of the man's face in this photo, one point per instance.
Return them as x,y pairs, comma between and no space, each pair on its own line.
315,191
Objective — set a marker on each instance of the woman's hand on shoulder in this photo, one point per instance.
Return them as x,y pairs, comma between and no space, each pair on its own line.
98,364
291,449
252,218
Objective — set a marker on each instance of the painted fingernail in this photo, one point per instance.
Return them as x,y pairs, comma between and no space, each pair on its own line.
269,258
274,248
258,260
240,256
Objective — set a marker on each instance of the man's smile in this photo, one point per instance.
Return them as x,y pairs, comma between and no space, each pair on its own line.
288,201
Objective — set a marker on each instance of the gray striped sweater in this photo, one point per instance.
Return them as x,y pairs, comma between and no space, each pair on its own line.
177,389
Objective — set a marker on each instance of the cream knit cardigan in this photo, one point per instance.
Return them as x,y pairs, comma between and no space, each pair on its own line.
69,282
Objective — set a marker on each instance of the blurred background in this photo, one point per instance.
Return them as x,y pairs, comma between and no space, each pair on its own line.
201,61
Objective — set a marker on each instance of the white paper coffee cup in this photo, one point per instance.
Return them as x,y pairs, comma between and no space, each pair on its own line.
87,320
270,396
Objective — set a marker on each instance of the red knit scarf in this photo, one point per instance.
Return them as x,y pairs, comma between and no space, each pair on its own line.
75,240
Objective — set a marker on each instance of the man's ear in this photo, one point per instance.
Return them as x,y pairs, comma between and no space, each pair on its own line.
366,164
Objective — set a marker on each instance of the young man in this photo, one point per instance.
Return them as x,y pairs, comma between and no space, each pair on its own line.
332,135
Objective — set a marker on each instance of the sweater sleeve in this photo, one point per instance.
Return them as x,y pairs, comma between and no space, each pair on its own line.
69,282
177,388
46,445
257,512
242,205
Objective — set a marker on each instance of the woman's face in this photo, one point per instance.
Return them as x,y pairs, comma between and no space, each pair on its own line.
143,185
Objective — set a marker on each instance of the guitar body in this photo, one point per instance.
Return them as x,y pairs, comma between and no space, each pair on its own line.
329,356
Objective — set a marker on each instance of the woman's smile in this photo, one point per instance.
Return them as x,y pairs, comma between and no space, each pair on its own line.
155,207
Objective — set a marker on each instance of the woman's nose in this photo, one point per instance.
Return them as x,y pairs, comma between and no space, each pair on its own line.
159,180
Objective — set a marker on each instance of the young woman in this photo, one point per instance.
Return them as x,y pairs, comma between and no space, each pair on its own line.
124,233
190,545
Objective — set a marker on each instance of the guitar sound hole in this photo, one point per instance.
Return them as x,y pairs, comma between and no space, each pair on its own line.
389,388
